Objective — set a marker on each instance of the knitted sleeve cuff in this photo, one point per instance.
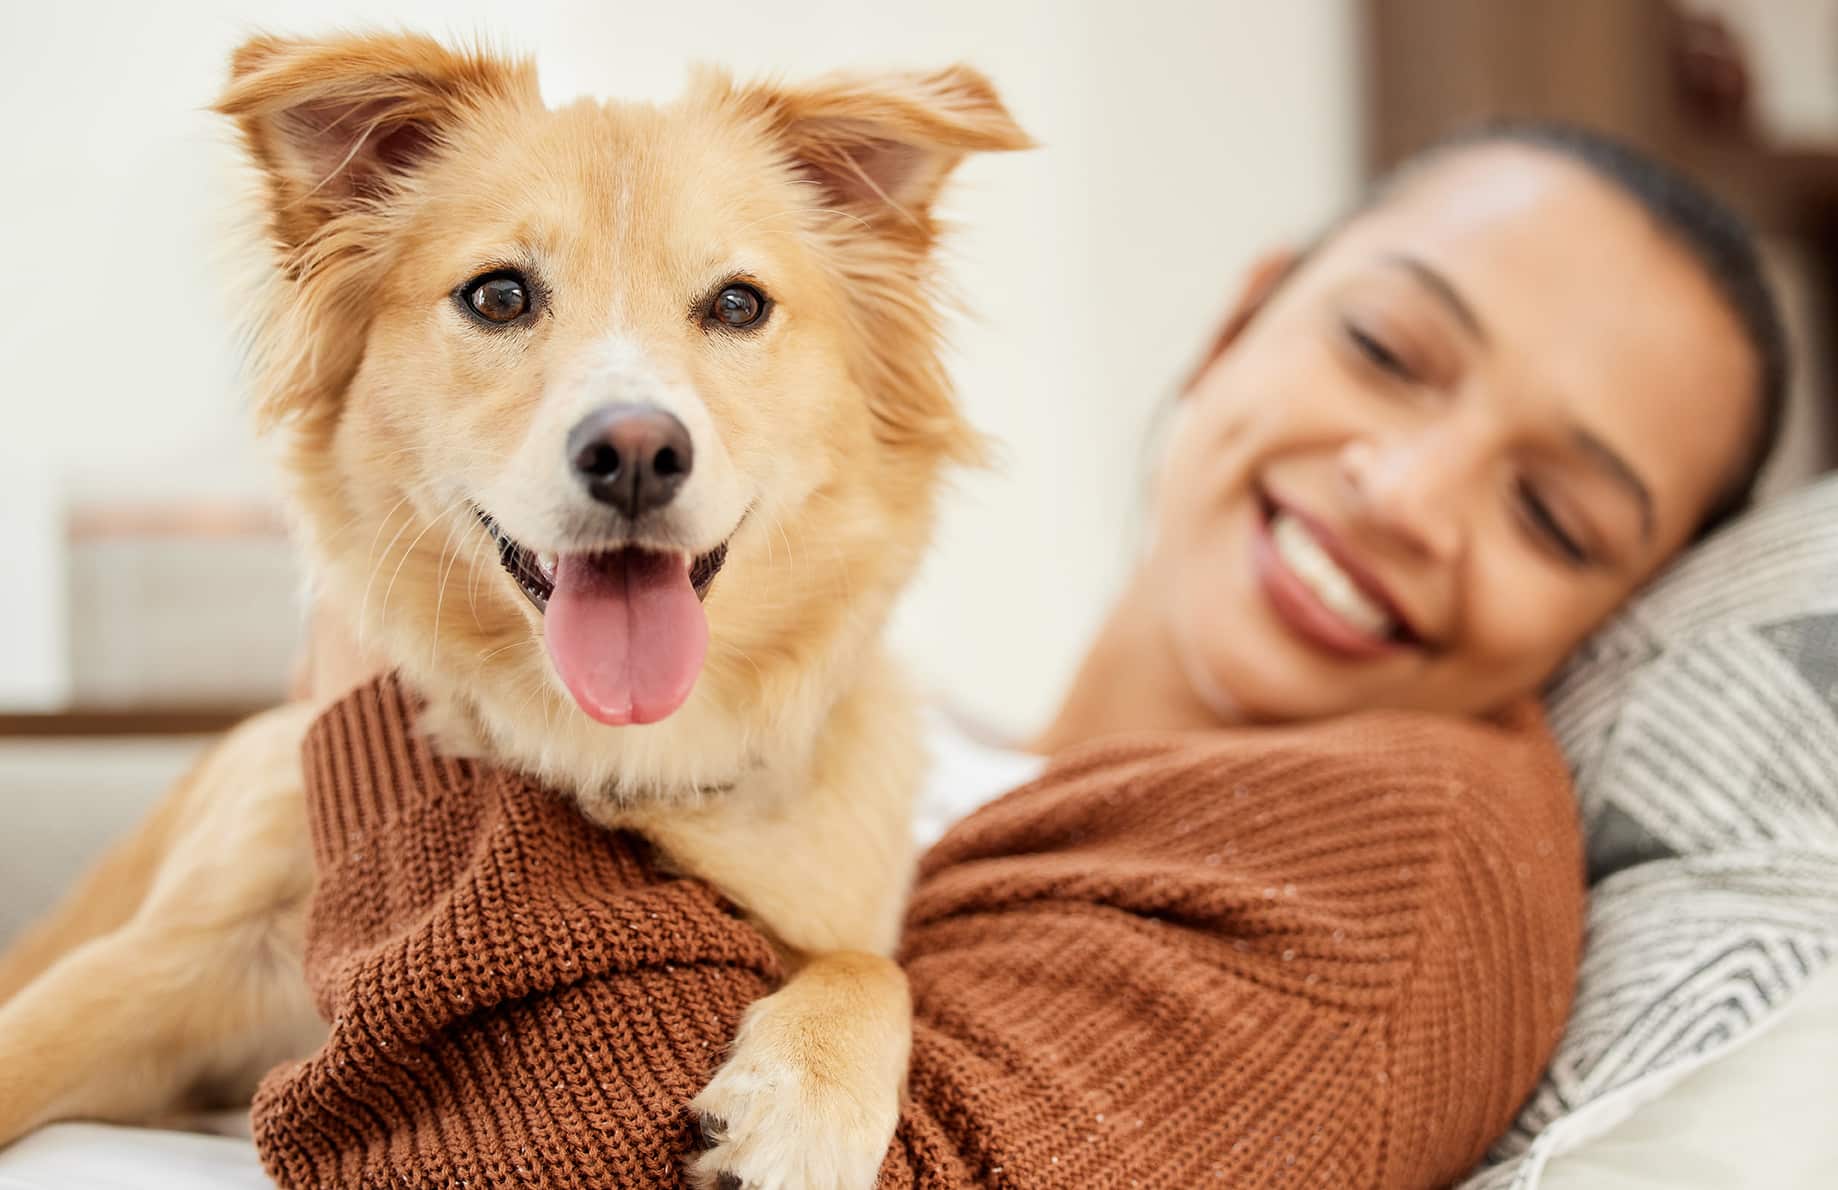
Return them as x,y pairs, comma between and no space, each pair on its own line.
365,765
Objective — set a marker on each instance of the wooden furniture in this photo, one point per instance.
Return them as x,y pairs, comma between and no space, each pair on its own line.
181,619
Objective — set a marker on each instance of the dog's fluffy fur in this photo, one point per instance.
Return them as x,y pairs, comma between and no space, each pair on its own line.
394,170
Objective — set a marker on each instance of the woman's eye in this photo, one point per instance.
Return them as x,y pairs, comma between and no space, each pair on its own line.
497,297
1376,353
1546,524
738,306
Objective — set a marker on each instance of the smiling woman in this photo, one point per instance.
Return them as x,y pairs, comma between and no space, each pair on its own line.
1422,461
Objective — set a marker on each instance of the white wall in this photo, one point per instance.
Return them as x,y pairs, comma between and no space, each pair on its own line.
1180,137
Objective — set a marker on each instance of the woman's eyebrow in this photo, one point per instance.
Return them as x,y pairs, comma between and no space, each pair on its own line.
1444,290
1599,454
1606,460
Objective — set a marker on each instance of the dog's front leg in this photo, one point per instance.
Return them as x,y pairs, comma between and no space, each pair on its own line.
810,1093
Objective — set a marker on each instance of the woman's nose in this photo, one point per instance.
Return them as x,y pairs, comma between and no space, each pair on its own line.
1415,488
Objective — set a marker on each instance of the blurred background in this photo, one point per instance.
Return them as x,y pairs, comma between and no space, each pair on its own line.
152,598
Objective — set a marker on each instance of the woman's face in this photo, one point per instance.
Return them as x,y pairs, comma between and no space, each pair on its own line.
1445,447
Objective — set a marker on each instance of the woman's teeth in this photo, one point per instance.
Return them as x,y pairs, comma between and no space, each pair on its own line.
1299,550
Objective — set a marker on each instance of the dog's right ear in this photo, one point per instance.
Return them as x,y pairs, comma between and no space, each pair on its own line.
336,124
339,128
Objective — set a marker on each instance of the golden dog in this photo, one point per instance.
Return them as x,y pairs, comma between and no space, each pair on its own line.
616,429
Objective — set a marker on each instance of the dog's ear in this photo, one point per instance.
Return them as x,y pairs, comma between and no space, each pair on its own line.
339,122
877,150
340,128
881,146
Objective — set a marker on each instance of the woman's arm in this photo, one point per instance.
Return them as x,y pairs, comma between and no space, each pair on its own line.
1333,955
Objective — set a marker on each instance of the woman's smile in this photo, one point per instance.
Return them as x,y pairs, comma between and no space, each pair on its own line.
1318,591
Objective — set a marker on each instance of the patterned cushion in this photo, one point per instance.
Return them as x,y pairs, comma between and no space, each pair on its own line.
1702,725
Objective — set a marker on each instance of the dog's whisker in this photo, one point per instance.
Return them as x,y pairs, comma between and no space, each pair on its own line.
371,551
536,689
409,552
548,716
791,557
440,590
472,579
524,643
376,565
748,658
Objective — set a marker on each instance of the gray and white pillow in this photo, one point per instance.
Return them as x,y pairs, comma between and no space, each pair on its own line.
1702,726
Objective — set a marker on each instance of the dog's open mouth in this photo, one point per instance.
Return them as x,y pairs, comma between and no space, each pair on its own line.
534,573
624,627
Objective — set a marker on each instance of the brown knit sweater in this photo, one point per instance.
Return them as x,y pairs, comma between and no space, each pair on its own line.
1333,955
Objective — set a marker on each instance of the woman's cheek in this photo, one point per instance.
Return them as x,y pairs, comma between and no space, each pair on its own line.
1525,628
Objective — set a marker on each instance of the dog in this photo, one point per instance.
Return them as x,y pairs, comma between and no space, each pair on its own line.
615,429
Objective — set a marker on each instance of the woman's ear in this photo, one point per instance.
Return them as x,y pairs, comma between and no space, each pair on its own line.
1264,278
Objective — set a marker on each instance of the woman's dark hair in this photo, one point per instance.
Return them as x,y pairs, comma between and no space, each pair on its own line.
1715,236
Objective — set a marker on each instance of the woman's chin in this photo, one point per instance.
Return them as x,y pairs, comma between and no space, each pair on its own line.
1264,675
1246,663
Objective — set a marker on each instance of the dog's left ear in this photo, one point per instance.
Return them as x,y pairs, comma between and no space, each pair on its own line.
877,150
881,146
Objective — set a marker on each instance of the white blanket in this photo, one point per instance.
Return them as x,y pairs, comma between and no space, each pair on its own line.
106,1157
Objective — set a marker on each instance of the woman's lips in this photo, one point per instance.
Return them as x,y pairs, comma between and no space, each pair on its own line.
1313,596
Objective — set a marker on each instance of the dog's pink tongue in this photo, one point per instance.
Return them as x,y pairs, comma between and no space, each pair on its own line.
627,634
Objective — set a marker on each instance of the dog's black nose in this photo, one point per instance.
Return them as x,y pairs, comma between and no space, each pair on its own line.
633,457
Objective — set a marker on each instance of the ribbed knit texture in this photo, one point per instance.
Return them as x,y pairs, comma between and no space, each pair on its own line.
1329,955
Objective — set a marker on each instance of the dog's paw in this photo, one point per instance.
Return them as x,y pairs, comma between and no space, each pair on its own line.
772,1122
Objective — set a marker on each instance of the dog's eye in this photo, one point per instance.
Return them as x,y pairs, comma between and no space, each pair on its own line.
497,297
739,306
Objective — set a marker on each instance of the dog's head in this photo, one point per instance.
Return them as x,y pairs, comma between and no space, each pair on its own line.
610,414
